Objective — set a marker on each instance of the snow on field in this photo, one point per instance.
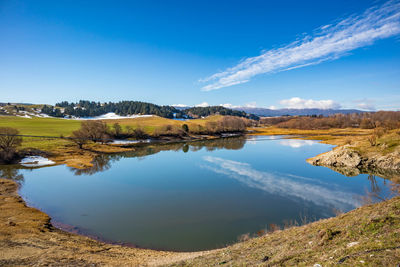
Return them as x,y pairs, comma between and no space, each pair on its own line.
113,116
29,115
36,161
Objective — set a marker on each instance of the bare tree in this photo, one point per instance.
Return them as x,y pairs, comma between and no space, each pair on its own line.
79,137
97,131
9,141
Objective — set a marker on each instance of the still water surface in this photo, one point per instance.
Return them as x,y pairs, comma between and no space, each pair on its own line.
196,196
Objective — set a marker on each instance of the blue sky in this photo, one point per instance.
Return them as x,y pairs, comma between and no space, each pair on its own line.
190,52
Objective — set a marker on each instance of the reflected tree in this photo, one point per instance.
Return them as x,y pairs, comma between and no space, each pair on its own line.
11,172
100,163
374,185
103,162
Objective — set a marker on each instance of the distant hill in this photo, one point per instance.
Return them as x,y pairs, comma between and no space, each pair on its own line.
265,112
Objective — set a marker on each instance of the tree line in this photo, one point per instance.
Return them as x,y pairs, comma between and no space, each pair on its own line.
196,112
86,108
368,120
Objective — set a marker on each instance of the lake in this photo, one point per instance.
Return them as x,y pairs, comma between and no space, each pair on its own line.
195,196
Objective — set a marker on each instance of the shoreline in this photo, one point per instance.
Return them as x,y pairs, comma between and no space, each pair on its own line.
29,238
39,228
72,156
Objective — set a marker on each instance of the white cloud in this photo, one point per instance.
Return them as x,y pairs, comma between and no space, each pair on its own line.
251,105
204,104
247,105
366,106
228,105
180,105
272,107
331,42
297,102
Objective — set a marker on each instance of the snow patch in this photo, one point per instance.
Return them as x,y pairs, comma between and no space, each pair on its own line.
36,161
112,116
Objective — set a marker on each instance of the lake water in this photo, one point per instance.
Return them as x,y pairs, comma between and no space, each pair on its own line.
195,196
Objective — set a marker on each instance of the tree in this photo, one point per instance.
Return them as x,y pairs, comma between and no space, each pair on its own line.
185,127
96,131
117,130
9,141
79,137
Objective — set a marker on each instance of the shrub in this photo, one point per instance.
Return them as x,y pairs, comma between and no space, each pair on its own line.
95,131
372,139
379,132
9,141
79,137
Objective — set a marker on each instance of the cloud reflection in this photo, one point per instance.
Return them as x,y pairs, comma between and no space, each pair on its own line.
294,143
290,186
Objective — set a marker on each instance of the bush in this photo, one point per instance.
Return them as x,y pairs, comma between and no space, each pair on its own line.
9,141
372,139
95,131
79,137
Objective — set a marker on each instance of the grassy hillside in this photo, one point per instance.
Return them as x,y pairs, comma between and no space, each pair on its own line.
57,127
40,126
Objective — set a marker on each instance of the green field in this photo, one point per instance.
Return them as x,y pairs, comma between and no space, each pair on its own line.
40,126
55,127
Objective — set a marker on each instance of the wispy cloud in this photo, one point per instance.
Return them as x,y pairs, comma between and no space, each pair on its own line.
330,42
366,104
296,102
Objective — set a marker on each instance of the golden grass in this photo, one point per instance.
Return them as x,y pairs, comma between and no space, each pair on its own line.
150,124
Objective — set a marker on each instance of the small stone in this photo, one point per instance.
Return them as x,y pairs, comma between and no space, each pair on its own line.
11,223
317,265
265,259
330,257
362,261
352,244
